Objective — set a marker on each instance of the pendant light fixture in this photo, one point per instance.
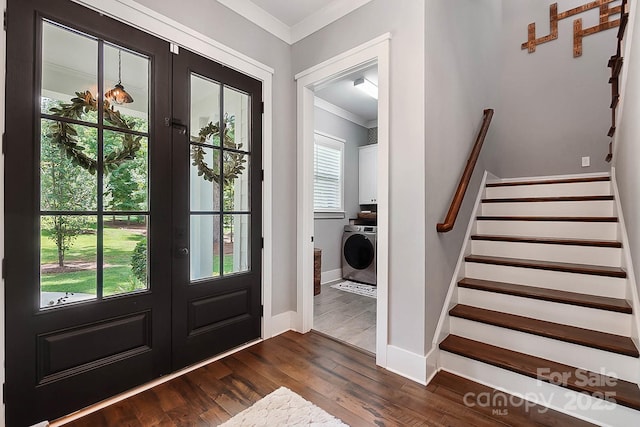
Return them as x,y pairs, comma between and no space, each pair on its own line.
118,94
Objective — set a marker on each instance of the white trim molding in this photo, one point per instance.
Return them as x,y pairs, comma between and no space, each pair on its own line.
409,365
627,264
282,323
330,276
291,34
263,19
165,28
374,51
340,112
325,16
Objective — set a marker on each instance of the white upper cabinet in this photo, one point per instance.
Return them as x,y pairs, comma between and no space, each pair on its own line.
368,173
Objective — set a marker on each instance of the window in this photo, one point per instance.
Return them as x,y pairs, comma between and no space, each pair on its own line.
328,174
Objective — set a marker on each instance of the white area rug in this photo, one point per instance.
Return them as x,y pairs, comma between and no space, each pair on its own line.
357,288
283,408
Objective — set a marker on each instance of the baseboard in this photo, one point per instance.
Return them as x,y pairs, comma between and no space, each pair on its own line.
549,177
432,363
330,276
627,263
281,323
407,364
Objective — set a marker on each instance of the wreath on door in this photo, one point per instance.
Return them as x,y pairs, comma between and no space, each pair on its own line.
232,161
65,136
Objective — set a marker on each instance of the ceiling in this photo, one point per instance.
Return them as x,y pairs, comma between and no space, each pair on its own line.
341,93
293,20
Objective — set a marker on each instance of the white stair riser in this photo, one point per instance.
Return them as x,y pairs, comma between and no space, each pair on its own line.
588,208
546,252
591,359
572,230
558,398
600,188
573,315
581,283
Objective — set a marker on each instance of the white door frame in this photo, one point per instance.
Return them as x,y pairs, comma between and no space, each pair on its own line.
374,51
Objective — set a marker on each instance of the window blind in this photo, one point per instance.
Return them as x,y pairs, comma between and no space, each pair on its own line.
328,175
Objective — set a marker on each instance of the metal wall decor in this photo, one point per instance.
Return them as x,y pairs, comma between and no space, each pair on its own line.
578,32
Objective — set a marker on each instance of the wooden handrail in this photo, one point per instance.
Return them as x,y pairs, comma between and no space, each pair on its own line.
450,219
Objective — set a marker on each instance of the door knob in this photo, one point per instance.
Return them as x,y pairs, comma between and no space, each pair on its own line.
183,252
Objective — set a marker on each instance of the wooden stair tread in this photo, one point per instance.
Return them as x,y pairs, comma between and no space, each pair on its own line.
573,334
548,240
566,267
552,295
550,181
548,199
548,218
624,392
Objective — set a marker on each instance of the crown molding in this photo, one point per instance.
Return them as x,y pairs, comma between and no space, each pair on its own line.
340,112
260,17
314,22
325,16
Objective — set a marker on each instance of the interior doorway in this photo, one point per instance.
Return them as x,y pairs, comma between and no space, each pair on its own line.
367,57
345,208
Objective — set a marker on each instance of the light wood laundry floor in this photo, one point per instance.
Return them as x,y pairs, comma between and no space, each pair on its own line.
345,316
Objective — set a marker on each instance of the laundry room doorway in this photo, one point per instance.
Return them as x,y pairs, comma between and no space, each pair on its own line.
345,208
343,175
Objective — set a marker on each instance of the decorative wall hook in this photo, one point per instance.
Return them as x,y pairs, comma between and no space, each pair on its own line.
578,32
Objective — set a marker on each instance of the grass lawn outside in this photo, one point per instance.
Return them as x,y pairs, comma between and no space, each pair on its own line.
119,244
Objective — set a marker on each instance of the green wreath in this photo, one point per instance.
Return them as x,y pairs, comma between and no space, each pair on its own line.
233,163
64,135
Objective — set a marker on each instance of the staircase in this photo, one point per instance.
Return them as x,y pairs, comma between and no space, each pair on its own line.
543,308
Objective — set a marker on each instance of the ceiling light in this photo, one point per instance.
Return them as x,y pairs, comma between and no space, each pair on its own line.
367,87
118,94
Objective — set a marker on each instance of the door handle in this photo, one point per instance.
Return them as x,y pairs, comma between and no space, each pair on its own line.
182,128
182,252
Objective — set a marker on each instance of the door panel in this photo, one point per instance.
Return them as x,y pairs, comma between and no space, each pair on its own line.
77,330
217,201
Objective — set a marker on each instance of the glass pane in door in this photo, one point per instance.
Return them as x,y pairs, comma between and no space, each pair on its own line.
69,84
94,203
125,265
237,116
68,247
126,86
237,235
205,247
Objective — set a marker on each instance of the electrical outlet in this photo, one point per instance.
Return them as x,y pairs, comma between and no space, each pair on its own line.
586,161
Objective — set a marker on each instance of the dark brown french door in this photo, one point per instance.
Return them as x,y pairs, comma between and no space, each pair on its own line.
132,209
217,205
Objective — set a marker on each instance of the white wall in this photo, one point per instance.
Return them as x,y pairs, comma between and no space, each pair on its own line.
225,26
627,140
461,65
327,233
405,20
553,108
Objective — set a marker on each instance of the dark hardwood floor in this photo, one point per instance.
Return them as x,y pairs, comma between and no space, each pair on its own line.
341,380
